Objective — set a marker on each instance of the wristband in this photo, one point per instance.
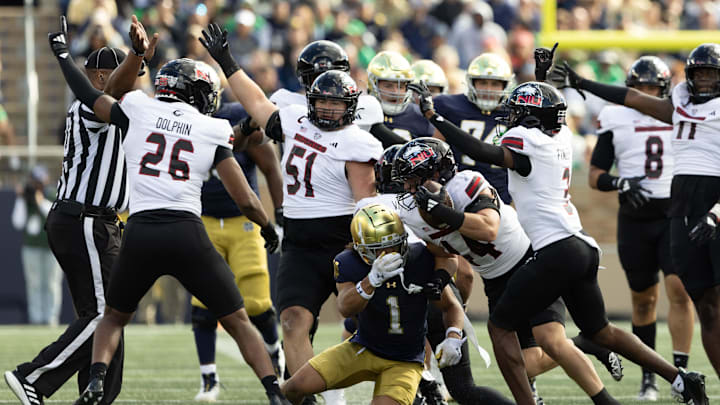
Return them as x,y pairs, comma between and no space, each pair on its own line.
359,289
451,330
140,54
607,182
444,276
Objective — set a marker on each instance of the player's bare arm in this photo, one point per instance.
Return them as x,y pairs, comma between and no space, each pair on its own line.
361,177
245,89
237,186
266,160
123,78
464,277
349,300
483,224
452,310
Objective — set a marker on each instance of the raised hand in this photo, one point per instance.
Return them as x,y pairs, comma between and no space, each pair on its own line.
58,40
543,61
425,100
141,46
215,41
563,76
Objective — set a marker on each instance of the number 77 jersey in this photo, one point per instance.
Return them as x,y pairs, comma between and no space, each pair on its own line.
313,165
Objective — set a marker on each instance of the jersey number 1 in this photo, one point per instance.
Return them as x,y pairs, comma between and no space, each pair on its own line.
294,171
178,169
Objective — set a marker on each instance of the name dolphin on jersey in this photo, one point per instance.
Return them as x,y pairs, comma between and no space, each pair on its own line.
180,127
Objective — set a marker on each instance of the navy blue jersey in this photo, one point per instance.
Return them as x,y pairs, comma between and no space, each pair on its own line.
393,324
410,124
457,109
216,202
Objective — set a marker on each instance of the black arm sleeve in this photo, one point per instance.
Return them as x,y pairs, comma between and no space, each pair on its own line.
603,155
273,128
613,94
79,83
221,153
521,163
119,119
470,146
386,135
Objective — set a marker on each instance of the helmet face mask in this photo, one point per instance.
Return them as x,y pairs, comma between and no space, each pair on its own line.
318,57
337,86
701,82
376,229
650,71
488,66
389,73
535,105
192,82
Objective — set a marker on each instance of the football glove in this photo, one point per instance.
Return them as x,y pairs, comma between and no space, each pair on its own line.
215,41
433,289
384,268
449,351
272,241
58,40
425,100
563,76
706,228
632,190
427,200
543,61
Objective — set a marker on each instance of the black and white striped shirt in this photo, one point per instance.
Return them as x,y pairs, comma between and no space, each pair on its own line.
94,170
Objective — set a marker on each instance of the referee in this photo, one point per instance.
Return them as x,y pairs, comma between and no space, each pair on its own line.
84,235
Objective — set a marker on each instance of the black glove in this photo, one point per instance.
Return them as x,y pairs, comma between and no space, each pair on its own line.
425,100
632,190
246,128
58,40
543,62
428,200
216,43
432,290
706,228
563,76
279,218
272,241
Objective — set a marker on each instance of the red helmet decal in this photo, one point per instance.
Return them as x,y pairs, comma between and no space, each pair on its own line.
421,156
529,99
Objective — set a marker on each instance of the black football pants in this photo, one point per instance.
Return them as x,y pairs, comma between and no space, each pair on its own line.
86,248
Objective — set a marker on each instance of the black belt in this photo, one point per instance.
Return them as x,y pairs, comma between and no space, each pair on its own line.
76,209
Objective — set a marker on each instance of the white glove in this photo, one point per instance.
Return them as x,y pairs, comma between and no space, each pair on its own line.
449,352
385,267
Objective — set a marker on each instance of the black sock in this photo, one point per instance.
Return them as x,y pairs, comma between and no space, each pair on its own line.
271,384
604,398
647,335
680,359
98,370
590,347
266,323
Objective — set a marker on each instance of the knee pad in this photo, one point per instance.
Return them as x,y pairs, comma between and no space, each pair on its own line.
203,318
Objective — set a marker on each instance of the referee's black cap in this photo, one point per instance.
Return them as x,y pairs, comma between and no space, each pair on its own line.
108,58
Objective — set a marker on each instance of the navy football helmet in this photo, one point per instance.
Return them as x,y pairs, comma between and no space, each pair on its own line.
319,57
384,183
535,105
704,56
650,70
423,158
190,81
333,85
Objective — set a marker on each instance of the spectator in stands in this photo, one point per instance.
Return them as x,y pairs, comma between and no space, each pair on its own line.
43,278
243,38
447,57
447,11
422,31
475,24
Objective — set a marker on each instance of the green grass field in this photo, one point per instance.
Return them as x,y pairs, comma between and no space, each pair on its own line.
161,367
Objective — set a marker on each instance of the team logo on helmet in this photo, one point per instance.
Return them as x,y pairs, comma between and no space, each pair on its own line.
418,155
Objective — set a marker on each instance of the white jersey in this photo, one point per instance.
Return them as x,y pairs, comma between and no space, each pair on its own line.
391,201
696,143
369,111
313,165
169,149
643,147
489,259
542,198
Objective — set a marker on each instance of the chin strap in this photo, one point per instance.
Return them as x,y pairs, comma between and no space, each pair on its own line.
412,289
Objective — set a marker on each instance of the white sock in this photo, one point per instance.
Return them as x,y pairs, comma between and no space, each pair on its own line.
209,369
427,375
272,348
678,384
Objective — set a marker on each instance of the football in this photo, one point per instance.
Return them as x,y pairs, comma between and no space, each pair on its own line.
434,187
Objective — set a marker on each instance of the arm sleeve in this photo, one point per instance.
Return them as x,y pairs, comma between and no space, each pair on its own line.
119,119
273,128
603,155
386,135
472,147
609,92
221,153
78,82
521,163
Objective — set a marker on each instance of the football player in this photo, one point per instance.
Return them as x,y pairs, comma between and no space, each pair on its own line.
319,57
377,281
239,242
165,204
432,74
327,166
489,79
478,226
389,74
537,149
641,147
695,192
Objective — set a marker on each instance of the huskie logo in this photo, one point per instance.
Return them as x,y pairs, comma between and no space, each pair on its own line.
164,80
529,96
416,155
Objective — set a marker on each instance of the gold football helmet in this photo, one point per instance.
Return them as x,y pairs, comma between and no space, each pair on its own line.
376,227
392,67
433,75
488,66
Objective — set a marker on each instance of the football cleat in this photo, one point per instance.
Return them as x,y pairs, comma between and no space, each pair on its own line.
278,362
648,388
419,400
537,398
430,390
693,384
92,394
209,388
614,366
22,389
